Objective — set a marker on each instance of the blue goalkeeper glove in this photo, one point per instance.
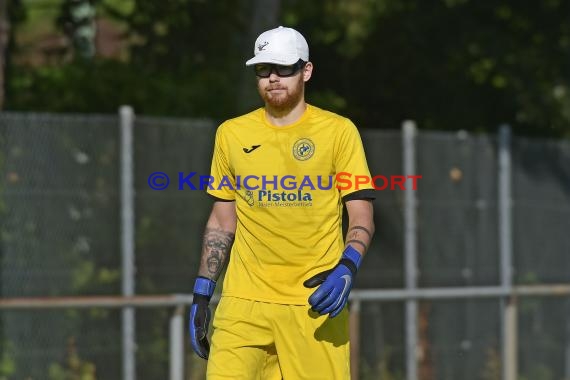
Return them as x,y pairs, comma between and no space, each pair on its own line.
335,284
200,316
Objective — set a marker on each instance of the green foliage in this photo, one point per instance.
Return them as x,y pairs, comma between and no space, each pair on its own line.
77,20
103,85
448,64
7,360
16,12
539,373
73,367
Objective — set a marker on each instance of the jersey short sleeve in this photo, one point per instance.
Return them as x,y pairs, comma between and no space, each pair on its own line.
222,178
353,175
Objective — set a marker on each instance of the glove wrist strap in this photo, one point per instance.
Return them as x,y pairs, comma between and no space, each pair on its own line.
351,258
204,286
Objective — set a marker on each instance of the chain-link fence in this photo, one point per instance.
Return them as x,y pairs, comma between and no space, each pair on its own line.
60,236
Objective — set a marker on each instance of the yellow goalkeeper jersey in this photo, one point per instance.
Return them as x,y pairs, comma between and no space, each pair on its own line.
289,184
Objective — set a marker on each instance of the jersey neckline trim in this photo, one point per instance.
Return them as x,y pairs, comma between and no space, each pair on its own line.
308,111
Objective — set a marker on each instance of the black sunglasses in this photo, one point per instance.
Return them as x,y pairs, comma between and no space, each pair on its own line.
264,70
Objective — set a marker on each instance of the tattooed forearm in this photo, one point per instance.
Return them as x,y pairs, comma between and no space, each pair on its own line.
215,251
359,235
355,230
359,242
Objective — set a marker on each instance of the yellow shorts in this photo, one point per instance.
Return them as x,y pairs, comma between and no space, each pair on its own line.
265,341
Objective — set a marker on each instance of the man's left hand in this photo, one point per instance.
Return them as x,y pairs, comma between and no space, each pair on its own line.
335,284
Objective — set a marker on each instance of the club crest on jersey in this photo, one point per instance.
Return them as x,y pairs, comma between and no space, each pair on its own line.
249,197
303,149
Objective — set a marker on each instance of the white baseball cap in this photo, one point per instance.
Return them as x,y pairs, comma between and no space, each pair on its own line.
282,46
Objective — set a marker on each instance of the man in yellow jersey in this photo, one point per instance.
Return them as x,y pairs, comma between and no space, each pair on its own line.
280,176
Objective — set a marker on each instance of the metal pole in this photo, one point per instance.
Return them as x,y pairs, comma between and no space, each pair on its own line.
508,304
357,295
177,344
127,239
567,351
410,250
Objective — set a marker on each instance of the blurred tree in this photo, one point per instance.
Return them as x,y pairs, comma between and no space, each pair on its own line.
77,20
449,64
265,15
12,14
192,48
4,35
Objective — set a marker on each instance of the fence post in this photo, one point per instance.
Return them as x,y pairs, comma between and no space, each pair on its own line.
410,249
567,350
126,115
509,303
177,344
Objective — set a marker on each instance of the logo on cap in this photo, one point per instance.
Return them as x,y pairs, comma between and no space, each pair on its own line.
262,46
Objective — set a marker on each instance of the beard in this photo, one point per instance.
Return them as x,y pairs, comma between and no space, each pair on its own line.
283,100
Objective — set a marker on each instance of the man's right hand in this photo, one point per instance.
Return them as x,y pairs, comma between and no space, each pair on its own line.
200,316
